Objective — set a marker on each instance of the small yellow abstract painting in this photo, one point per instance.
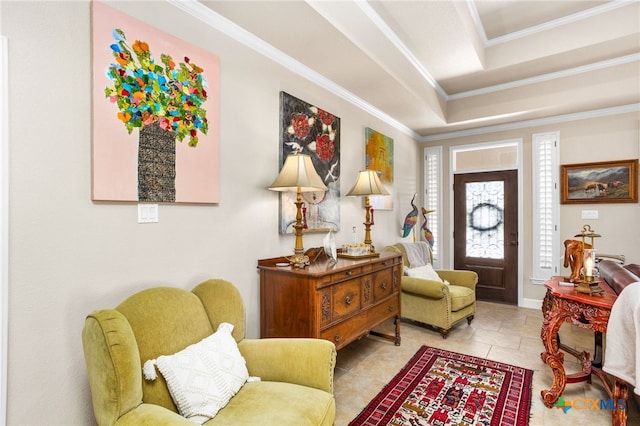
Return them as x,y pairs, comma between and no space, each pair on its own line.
379,157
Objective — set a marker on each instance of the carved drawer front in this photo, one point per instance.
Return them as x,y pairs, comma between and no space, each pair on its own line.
346,298
382,282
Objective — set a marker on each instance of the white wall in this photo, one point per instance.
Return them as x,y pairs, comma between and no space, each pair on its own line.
69,255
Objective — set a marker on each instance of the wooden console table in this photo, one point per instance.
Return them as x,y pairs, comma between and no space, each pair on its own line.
563,304
339,303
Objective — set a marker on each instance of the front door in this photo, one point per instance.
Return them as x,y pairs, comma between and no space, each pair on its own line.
485,233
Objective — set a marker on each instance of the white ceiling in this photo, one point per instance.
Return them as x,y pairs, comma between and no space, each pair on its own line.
432,67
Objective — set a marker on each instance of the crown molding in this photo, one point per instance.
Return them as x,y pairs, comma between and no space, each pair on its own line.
231,29
547,77
594,11
393,38
604,112
234,31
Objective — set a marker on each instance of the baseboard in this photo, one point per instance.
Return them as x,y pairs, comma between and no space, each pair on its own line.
530,303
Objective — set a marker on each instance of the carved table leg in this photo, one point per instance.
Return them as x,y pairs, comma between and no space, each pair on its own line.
553,357
395,337
597,349
620,395
547,303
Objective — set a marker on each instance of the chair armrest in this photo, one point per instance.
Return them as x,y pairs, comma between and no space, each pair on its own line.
113,365
459,277
151,414
307,362
427,288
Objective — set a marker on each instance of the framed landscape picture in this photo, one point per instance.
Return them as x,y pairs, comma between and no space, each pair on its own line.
601,182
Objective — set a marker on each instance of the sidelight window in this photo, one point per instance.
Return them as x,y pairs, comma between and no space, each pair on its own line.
546,239
433,197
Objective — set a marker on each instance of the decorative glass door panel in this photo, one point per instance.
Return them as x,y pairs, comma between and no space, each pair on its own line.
485,219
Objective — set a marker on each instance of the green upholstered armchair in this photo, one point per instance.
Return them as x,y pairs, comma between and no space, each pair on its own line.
296,386
435,303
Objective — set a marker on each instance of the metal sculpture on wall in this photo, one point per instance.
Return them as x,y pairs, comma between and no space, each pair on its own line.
313,131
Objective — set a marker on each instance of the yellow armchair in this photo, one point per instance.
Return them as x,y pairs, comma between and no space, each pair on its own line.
296,386
438,304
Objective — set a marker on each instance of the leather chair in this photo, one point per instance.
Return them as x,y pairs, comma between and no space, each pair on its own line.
438,304
296,386
618,277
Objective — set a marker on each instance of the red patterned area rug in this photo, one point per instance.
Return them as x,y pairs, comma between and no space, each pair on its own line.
439,387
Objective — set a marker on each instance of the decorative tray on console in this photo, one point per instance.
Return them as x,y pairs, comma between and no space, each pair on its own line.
358,256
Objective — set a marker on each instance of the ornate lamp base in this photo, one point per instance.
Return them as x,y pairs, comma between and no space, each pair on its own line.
589,286
299,260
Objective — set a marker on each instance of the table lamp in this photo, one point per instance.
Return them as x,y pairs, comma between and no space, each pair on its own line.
589,284
298,175
368,183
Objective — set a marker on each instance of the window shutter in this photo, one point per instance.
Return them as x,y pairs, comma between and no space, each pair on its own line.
433,197
546,244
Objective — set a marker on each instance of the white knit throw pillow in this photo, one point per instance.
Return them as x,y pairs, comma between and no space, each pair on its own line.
203,377
426,272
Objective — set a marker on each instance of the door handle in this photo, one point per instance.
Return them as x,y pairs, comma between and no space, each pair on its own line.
513,243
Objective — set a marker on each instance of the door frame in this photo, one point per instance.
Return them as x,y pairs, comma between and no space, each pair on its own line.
517,142
4,223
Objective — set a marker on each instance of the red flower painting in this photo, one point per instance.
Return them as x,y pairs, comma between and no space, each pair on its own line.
310,130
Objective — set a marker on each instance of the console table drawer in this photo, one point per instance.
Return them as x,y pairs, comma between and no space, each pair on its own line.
346,299
344,275
382,282
360,324
385,264
384,310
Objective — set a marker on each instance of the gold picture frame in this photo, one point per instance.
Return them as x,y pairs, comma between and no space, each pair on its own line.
600,182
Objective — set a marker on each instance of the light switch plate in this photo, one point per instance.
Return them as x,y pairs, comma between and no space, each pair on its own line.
589,214
147,213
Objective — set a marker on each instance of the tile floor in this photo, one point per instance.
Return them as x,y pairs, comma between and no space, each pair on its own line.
504,333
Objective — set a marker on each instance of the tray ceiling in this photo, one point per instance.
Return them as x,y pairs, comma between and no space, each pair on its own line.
433,67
